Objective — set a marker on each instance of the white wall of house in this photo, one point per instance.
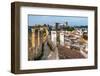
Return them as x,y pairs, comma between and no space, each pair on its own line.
53,37
62,38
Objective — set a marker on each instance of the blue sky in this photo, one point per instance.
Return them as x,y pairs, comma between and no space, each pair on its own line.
51,20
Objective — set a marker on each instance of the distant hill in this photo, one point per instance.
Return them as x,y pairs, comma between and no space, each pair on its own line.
81,26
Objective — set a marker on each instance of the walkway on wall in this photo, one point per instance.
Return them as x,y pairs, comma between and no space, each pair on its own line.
67,53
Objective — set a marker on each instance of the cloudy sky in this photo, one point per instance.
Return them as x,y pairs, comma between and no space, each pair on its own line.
51,20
